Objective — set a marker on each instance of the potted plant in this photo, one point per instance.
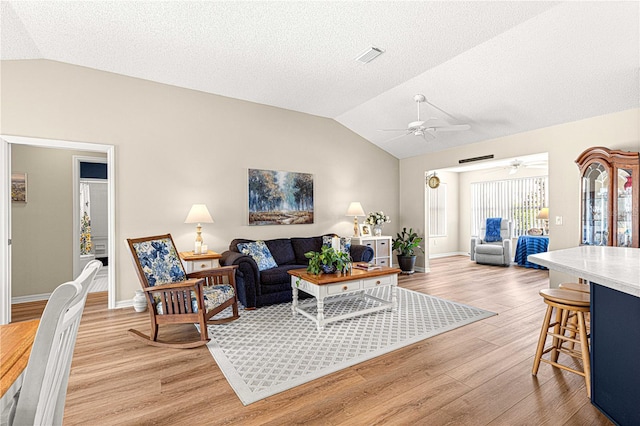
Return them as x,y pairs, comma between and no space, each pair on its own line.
327,260
405,244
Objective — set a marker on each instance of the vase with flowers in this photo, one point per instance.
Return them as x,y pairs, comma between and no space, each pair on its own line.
377,221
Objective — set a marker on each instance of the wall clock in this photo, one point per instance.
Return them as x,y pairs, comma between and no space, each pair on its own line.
434,182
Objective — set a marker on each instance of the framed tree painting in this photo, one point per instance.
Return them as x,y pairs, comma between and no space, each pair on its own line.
19,187
280,198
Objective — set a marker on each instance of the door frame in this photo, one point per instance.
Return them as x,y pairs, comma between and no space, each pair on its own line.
5,208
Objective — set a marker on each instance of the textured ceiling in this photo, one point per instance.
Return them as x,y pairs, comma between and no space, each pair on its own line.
502,67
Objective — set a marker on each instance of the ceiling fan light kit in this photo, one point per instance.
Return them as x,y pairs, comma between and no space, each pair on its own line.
426,128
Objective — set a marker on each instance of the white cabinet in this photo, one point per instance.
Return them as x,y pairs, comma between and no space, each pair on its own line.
381,248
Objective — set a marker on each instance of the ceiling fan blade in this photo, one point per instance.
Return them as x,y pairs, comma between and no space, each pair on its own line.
393,130
425,134
451,128
435,122
398,137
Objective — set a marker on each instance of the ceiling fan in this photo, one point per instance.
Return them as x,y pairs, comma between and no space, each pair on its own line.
426,128
516,165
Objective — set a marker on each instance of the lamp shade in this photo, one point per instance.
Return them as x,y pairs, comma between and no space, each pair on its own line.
543,213
199,214
355,209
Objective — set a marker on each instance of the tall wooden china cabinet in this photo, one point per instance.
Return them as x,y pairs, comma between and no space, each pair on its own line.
610,197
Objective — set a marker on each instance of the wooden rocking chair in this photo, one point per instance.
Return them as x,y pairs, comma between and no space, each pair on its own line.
175,297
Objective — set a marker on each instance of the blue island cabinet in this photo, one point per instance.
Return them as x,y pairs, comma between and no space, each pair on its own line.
615,354
614,276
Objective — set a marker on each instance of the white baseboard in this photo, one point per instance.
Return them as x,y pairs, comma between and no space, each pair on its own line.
30,298
124,304
454,253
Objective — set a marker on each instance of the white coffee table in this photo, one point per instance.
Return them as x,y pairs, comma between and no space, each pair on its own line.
353,283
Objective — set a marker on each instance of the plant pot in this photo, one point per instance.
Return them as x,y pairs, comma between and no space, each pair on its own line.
328,269
407,263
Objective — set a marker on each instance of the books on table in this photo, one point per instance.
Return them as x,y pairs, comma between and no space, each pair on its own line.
366,266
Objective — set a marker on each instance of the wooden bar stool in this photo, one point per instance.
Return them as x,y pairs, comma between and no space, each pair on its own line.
566,303
584,288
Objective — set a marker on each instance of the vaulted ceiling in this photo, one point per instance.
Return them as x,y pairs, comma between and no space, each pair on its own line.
502,67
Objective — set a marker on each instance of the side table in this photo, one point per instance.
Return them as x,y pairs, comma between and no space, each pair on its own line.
197,262
529,244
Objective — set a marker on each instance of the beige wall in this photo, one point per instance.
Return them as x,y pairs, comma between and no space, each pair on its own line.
563,143
42,235
176,147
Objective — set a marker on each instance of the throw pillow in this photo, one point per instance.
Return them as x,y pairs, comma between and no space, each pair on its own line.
342,244
345,244
259,251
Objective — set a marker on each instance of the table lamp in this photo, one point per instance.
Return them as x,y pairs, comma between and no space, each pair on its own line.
543,214
355,209
198,214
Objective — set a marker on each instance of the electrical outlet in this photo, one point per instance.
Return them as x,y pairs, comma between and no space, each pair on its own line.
435,242
558,220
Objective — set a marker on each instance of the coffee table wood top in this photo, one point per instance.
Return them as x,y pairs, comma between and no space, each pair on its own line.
355,274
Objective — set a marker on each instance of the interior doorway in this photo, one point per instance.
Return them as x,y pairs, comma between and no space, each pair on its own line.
457,205
90,216
8,142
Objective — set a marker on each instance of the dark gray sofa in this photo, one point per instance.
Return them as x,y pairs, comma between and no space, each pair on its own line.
260,288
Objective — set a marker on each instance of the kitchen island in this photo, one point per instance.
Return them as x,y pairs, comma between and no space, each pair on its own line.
614,276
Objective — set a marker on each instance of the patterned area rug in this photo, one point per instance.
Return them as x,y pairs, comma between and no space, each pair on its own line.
269,350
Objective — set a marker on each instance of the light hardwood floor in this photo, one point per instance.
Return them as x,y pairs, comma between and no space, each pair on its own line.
479,374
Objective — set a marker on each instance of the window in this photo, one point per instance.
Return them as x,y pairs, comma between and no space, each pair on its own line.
518,200
438,211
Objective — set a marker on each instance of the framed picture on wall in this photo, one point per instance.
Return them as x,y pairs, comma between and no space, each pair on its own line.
280,198
19,187
365,229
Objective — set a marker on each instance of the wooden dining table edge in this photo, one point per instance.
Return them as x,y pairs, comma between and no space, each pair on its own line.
16,340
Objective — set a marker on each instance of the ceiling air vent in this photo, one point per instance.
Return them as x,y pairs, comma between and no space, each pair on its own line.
369,55
470,160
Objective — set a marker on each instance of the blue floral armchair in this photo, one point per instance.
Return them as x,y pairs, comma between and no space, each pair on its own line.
174,296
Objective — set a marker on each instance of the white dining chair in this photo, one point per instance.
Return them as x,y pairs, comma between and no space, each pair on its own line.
41,399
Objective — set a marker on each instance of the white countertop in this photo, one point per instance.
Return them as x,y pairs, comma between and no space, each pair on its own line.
614,267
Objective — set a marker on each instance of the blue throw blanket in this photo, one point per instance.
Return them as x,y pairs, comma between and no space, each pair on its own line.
493,230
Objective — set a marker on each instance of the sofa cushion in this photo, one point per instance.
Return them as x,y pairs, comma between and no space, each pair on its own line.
278,275
492,249
304,245
281,250
259,251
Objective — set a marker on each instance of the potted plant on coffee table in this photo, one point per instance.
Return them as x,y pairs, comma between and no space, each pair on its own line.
405,244
327,260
